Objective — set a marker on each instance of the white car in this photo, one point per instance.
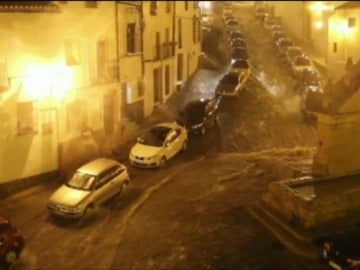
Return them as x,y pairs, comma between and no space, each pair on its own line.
291,53
91,185
300,64
159,144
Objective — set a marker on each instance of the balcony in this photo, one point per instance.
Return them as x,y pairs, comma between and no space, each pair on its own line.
29,6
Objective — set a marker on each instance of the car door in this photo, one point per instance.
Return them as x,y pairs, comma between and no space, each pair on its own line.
210,112
173,144
104,187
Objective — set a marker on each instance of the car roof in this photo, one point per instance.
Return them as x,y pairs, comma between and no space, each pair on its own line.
297,48
97,166
166,124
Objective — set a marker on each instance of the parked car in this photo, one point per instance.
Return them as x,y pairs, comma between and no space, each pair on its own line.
239,53
229,17
309,79
158,145
238,42
199,115
227,8
275,27
291,53
276,35
241,65
232,84
236,34
11,243
299,64
232,24
260,12
281,46
269,23
91,185
342,250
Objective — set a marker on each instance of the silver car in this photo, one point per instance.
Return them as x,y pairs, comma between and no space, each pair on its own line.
91,185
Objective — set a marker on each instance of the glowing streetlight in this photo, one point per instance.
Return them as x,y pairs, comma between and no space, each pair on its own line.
319,25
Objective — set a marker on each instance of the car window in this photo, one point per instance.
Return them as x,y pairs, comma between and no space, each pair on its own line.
302,61
173,135
241,64
106,176
81,181
155,136
231,78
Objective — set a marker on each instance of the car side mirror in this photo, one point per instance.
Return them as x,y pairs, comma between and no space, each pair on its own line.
138,139
167,144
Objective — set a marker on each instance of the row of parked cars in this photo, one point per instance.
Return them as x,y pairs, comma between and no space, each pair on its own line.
341,249
309,85
101,179
234,82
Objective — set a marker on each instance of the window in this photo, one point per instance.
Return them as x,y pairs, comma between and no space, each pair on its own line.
72,52
130,37
196,29
167,79
25,118
180,33
334,47
75,116
186,5
196,4
168,7
351,22
157,46
141,87
101,59
153,7
4,79
167,48
91,4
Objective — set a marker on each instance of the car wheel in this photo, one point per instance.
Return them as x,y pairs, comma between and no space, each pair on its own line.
10,256
185,145
162,162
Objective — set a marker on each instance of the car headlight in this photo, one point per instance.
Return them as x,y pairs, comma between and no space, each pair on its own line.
197,126
74,209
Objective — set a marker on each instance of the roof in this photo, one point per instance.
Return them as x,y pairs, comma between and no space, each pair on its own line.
28,6
97,166
349,5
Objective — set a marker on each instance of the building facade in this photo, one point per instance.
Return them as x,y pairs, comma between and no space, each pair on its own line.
67,92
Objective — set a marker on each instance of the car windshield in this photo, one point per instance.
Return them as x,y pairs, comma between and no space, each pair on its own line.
195,113
236,34
81,181
302,61
285,43
233,23
239,53
155,136
240,64
231,78
293,53
312,78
